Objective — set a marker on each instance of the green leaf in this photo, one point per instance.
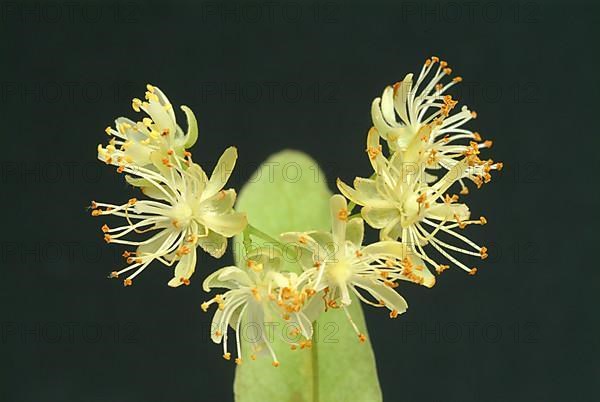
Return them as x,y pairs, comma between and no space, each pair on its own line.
289,193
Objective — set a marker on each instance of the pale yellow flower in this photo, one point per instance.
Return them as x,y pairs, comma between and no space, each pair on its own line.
399,202
184,210
258,295
338,265
417,121
133,142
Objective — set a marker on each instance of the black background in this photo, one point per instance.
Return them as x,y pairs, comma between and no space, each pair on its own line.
523,329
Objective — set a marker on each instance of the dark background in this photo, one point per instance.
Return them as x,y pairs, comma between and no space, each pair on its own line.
271,75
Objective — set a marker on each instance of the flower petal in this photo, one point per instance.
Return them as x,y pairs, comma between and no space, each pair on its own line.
383,293
364,193
192,132
401,92
228,224
355,231
196,179
339,216
227,277
184,269
222,172
418,272
379,217
386,249
213,243
387,106
220,203
443,211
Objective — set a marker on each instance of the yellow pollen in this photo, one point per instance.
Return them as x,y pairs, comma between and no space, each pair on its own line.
473,271
343,214
127,282
135,104
362,338
393,313
275,363
151,97
483,253
183,250
185,281
204,306
227,356
105,228
461,224
114,274
238,360
373,152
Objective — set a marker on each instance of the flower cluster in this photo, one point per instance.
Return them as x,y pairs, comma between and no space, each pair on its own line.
429,150
407,198
184,209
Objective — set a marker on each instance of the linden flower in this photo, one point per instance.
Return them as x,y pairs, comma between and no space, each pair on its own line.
185,210
338,265
426,133
257,295
399,203
133,142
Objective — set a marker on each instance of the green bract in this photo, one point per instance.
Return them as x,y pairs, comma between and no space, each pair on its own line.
289,193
